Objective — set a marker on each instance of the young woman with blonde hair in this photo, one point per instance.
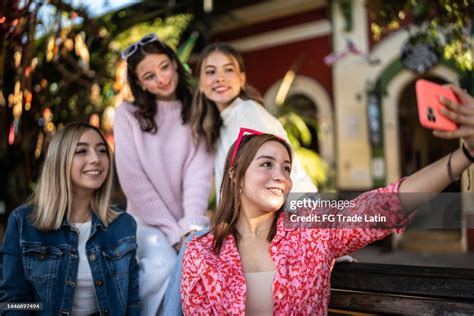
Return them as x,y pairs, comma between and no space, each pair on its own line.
67,248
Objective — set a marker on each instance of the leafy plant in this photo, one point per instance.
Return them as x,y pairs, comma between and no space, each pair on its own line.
448,21
300,136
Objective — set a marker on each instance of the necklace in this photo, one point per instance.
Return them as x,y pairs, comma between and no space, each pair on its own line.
256,232
79,225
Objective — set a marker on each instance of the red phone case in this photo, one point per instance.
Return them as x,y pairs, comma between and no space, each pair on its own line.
427,95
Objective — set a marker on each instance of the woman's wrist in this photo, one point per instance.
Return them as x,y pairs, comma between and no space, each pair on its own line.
177,246
188,233
468,152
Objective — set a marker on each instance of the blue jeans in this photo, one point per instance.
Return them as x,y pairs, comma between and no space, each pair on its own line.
172,304
156,259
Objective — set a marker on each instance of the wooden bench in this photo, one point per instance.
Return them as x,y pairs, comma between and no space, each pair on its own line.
399,289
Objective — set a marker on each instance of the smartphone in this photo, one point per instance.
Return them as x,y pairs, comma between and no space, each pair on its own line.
427,95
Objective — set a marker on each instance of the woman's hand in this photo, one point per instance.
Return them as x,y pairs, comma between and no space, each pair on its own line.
177,246
461,113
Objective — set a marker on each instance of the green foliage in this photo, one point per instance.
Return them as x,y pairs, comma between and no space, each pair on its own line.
446,20
64,62
168,29
297,130
300,135
104,48
346,9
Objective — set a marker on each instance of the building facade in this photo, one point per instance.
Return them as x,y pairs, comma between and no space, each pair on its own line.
364,98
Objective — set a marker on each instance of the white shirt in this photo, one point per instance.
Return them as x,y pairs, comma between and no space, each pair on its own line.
250,114
85,302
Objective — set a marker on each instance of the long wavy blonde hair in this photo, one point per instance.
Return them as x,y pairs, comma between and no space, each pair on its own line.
52,199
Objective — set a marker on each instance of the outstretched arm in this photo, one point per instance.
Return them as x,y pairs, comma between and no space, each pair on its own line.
431,179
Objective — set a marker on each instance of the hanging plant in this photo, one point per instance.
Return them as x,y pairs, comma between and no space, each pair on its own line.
448,23
421,52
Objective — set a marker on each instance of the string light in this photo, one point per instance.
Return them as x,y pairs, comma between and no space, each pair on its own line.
28,98
48,117
50,127
50,48
94,120
81,49
11,135
108,118
17,58
207,6
3,102
39,145
17,101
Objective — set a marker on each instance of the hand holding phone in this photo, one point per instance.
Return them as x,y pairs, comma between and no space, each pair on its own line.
429,105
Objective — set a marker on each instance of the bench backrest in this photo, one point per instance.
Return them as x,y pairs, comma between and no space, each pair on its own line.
400,289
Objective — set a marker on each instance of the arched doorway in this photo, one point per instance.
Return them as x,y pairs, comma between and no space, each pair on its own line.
418,146
306,108
408,146
391,106
309,98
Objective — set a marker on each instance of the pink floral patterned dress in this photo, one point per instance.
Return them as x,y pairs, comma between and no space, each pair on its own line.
214,284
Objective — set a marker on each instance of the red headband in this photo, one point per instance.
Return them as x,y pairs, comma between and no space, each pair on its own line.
242,132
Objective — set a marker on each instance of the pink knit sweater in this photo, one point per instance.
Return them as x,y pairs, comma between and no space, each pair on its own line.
166,178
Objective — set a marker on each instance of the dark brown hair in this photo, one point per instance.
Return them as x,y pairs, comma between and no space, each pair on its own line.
205,116
228,210
145,101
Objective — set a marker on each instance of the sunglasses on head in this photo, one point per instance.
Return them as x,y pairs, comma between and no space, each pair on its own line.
130,50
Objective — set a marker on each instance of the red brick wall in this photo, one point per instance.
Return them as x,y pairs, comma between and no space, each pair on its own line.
268,65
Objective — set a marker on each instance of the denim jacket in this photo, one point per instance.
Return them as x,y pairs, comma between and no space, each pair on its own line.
43,266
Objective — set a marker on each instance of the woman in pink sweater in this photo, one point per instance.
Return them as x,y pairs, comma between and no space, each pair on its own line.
165,173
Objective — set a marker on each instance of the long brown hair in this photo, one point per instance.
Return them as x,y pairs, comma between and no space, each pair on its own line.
228,210
205,116
145,102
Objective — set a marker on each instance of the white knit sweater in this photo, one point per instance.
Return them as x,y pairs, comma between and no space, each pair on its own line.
250,114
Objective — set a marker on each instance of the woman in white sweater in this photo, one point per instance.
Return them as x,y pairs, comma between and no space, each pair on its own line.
165,173
224,102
